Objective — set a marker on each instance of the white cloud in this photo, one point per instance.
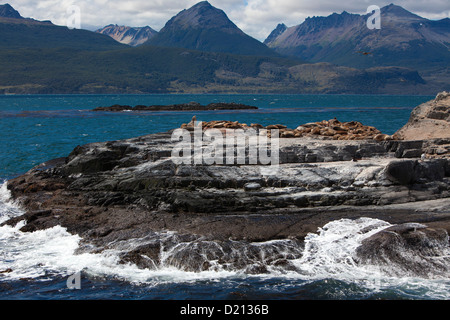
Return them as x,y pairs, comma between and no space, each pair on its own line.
255,17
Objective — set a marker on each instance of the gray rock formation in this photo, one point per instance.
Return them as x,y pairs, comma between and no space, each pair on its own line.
408,249
139,173
430,120
128,35
112,192
429,125
279,30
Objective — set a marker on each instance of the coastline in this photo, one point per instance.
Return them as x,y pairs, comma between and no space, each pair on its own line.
115,191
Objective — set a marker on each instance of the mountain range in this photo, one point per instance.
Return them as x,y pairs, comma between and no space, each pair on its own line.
206,28
6,11
200,50
405,39
128,35
17,32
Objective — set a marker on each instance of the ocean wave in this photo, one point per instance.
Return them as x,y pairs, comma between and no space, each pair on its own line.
8,207
327,254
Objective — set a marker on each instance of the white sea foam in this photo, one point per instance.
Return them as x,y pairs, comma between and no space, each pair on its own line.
8,208
43,253
53,251
330,253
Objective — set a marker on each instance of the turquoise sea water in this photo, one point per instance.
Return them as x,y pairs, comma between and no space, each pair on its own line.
37,128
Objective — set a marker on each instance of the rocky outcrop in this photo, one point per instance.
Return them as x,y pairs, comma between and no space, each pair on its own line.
409,249
105,188
279,30
128,35
191,106
430,120
111,193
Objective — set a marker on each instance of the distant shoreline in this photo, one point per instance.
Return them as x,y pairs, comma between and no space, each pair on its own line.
217,94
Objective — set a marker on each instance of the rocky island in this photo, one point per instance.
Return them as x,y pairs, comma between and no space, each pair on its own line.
191,106
112,193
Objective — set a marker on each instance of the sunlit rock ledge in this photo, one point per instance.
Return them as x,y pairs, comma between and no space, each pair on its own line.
140,175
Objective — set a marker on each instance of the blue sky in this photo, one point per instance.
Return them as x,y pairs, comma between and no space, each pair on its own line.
255,17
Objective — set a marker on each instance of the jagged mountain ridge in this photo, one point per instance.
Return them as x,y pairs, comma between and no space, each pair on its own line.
19,32
11,16
133,36
405,39
279,30
6,11
35,57
206,28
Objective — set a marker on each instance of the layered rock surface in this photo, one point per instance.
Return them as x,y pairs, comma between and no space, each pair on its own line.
407,249
112,192
140,174
430,120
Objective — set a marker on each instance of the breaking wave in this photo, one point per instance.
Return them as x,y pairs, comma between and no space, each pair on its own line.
328,254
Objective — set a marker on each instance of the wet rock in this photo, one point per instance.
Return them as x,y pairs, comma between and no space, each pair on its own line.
144,257
408,249
410,171
9,270
252,186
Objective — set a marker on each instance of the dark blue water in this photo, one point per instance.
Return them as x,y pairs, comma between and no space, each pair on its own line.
249,288
37,128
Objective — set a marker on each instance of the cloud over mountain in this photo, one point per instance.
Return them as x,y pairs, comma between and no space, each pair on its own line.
255,17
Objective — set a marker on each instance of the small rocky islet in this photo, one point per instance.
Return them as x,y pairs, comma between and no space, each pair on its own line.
191,106
113,192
